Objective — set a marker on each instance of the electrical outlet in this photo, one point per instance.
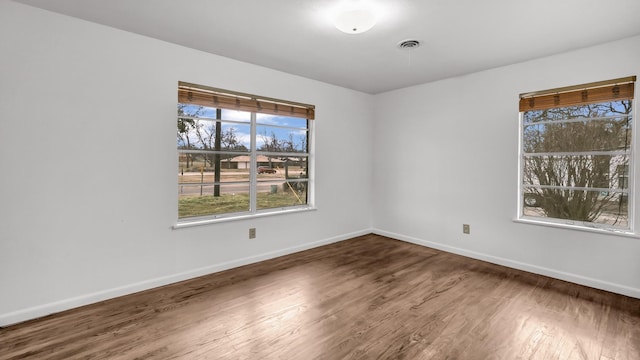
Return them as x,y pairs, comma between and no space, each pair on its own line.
252,233
466,229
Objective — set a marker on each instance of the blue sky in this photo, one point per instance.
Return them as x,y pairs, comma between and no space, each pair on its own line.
297,126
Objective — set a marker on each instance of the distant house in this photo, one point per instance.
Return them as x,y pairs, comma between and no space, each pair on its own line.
244,162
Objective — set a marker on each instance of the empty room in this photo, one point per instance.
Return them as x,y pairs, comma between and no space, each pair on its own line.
319,179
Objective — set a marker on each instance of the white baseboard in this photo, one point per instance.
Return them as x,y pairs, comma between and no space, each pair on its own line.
578,279
70,303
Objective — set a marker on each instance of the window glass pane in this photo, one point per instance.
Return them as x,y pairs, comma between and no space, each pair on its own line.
608,134
196,111
282,184
281,193
575,164
236,137
293,122
201,168
586,171
201,134
612,108
276,167
235,115
274,139
602,208
622,176
199,200
199,111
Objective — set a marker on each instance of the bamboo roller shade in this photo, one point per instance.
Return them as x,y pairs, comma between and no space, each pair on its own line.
191,94
610,90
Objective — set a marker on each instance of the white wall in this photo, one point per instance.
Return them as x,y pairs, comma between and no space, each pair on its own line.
88,158
88,187
449,150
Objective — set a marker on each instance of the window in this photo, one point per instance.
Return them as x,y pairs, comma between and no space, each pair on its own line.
240,154
576,155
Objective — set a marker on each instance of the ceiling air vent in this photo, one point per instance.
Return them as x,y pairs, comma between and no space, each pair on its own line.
408,44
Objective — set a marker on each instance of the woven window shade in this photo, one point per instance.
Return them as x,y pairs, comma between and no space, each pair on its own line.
223,99
603,91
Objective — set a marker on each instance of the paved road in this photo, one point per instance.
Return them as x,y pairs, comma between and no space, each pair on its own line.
265,181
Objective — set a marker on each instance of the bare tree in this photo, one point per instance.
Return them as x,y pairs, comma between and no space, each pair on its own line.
205,132
230,140
563,182
302,141
186,124
270,142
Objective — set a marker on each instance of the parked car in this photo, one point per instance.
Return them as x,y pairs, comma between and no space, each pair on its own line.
266,170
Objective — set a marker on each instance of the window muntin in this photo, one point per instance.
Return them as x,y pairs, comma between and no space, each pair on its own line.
236,162
575,162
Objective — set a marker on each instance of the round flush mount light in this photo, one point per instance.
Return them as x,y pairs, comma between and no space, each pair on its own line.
355,21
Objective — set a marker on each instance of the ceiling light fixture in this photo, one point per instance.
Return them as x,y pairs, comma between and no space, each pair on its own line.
355,20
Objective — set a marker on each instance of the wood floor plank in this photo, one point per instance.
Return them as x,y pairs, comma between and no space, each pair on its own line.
370,297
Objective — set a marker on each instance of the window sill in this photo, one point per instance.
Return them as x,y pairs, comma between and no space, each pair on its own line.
621,232
223,218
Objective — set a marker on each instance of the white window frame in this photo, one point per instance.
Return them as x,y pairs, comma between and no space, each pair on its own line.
253,212
574,224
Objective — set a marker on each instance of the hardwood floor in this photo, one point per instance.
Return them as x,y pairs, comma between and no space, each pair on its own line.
366,298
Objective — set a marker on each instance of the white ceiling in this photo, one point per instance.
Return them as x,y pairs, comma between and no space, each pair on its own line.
296,36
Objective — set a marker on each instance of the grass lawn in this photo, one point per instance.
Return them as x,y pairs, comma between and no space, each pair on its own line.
227,203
